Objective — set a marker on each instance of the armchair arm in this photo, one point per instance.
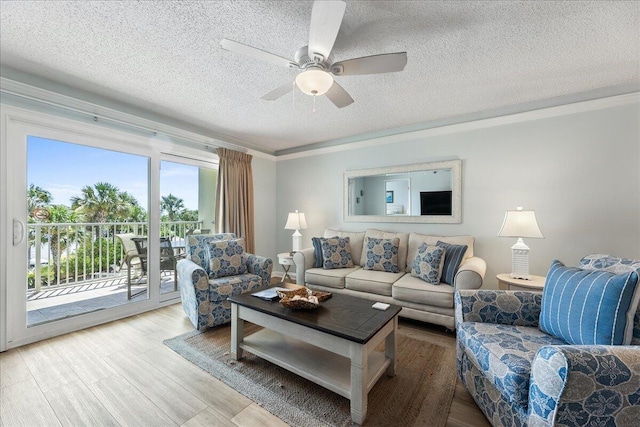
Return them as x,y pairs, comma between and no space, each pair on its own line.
261,266
303,260
194,291
585,385
519,308
470,274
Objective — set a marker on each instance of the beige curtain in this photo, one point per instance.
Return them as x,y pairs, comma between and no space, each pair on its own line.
234,196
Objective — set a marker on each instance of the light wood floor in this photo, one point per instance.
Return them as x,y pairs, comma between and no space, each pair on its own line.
122,374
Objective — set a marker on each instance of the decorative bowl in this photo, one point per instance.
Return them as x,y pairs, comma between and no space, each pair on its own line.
302,298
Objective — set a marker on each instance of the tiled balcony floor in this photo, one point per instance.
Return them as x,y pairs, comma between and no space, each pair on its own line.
49,305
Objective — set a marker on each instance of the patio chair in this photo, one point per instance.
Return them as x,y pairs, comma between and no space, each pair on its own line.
168,260
130,255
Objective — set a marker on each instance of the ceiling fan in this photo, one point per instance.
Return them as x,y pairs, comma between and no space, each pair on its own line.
315,60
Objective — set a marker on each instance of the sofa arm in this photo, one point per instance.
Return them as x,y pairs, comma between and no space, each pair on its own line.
261,266
585,385
518,308
194,291
470,274
303,261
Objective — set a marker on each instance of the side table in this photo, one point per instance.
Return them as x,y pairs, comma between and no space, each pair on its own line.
285,259
536,284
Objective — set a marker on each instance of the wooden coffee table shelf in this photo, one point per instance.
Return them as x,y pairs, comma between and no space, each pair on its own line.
332,346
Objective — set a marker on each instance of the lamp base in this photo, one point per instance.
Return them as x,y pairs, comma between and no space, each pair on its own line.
520,261
297,241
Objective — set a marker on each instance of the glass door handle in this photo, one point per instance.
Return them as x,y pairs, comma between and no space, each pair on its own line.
18,232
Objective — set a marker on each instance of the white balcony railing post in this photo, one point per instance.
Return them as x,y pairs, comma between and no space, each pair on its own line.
37,262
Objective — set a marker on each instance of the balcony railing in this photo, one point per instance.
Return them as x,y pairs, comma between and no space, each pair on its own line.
65,254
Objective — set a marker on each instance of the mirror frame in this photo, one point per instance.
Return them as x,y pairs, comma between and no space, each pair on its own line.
456,187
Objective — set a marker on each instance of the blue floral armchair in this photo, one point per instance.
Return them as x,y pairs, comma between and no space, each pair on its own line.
521,376
209,275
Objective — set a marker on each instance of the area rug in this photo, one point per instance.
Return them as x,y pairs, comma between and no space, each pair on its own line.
420,394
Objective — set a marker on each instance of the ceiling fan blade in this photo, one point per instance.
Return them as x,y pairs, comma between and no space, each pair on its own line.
339,96
375,64
326,18
256,53
279,91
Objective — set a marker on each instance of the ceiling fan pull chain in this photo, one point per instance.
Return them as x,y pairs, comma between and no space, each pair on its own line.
293,95
314,104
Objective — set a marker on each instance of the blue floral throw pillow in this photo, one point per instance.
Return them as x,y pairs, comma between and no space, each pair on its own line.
336,253
227,258
381,254
318,260
428,263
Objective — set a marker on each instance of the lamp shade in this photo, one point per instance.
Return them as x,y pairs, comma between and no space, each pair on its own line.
296,221
314,81
520,223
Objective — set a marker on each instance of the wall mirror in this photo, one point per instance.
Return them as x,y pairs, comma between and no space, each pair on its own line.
422,192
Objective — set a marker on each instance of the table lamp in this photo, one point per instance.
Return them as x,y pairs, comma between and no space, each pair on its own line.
520,223
296,221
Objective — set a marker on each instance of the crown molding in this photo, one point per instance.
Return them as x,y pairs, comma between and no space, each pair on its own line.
471,124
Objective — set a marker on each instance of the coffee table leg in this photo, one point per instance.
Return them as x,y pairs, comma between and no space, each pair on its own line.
390,347
359,362
237,332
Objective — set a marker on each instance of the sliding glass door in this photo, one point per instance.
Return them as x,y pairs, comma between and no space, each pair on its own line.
85,208
80,205
187,206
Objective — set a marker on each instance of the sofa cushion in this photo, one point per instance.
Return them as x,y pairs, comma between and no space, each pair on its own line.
453,256
416,239
375,282
227,258
356,239
413,289
428,263
504,354
336,253
381,254
227,286
402,245
589,307
330,278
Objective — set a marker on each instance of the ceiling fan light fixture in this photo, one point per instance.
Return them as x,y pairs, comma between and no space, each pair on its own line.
314,81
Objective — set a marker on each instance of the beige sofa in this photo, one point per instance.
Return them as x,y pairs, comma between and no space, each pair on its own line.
419,299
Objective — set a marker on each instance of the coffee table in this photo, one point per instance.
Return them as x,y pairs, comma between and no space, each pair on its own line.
333,345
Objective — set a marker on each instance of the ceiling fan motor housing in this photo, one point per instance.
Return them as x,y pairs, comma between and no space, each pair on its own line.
304,61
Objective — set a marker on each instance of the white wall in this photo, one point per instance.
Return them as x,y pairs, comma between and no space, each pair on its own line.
264,188
577,166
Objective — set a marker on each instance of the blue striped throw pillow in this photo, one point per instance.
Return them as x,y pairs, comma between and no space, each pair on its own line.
453,256
585,307
317,252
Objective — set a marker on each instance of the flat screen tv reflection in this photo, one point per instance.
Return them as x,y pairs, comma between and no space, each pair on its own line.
435,202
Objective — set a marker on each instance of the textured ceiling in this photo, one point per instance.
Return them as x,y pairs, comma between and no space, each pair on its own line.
463,57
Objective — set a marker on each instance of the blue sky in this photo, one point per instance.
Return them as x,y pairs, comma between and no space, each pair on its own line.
63,169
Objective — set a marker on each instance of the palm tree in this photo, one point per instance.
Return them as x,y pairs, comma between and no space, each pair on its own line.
173,206
135,212
38,197
103,202
60,237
